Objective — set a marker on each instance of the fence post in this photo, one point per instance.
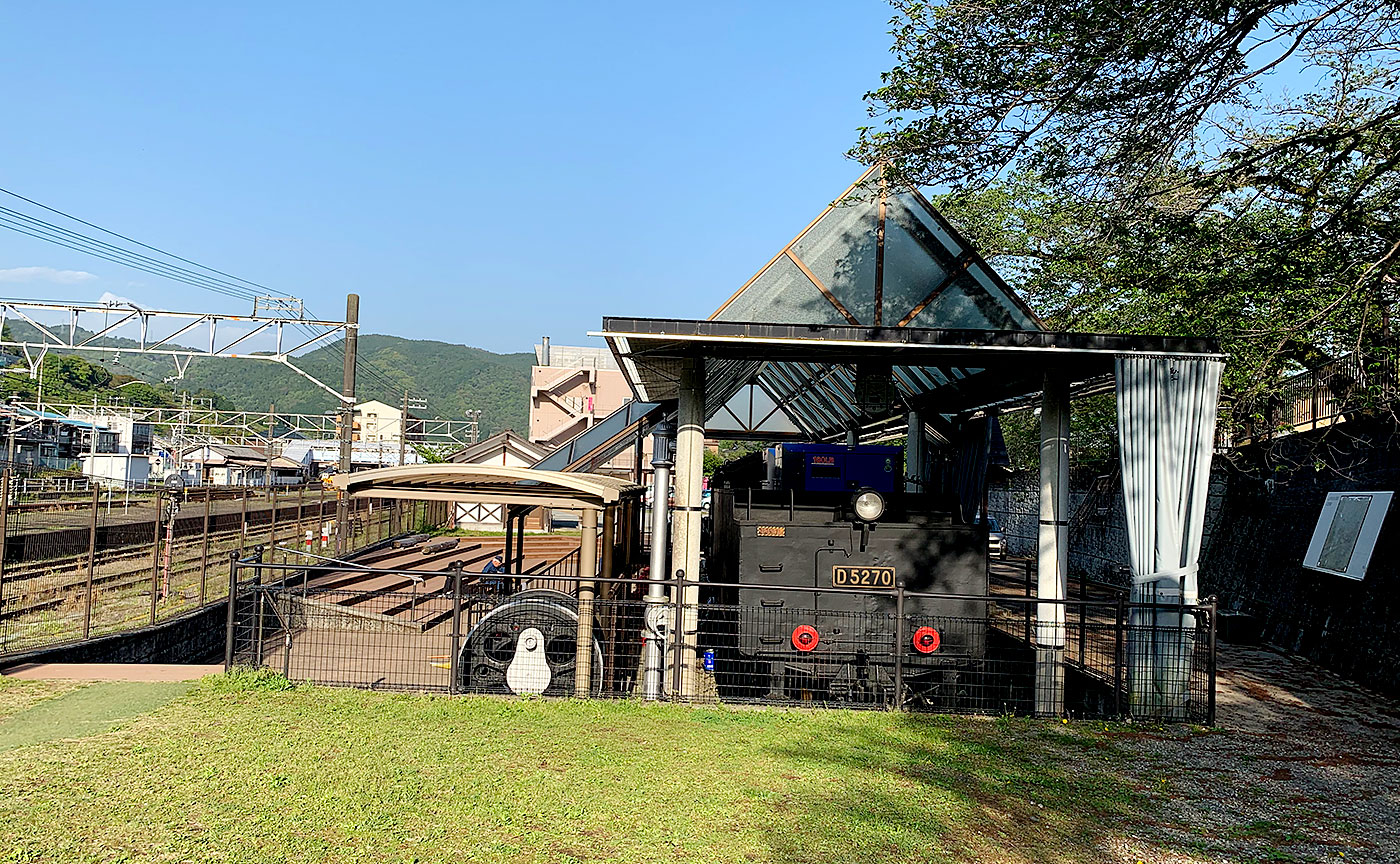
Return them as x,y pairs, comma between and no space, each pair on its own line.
1214,604
155,554
4,530
1083,609
456,627
232,602
1028,606
676,636
1118,658
301,517
272,529
899,645
91,564
204,551
243,524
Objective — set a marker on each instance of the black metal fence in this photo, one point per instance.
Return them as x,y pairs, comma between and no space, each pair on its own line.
82,565
455,631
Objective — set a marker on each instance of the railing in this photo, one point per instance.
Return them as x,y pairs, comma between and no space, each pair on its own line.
466,632
97,564
1317,398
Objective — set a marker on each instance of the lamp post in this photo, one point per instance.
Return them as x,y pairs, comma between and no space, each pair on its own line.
661,463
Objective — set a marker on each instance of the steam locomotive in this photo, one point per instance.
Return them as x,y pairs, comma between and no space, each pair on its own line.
806,545
803,576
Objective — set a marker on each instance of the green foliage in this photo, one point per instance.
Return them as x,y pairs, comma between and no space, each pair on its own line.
727,451
453,378
1131,168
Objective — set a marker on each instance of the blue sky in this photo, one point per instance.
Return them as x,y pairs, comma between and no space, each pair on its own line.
479,173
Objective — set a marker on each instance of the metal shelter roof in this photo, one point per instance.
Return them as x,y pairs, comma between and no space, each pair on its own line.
878,280
487,484
808,369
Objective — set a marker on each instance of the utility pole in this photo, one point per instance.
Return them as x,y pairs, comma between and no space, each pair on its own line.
403,427
267,472
347,419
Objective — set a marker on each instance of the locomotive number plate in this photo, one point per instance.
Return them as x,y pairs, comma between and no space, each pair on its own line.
771,531
846,576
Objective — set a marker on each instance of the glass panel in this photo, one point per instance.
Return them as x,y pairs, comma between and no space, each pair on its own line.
912,267
981,304
965,306
840,251
1019,319
782,295
1342,535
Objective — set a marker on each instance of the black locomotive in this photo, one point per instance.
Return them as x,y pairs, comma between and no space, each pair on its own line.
802,601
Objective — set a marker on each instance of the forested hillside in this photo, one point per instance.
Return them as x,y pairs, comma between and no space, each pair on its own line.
453,378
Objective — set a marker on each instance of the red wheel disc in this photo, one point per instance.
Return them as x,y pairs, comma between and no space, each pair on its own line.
927,640
805,638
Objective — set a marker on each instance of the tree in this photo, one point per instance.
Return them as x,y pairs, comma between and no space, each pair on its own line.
1137,167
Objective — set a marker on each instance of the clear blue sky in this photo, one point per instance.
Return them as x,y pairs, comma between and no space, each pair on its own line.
479,173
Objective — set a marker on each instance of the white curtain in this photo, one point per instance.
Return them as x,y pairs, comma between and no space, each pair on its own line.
1166,434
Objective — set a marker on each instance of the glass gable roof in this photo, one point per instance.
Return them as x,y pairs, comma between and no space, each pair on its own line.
877,256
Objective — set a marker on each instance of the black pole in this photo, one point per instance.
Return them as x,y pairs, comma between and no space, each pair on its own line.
347,420
1118,659
232,599
1214,604
899,645
456,626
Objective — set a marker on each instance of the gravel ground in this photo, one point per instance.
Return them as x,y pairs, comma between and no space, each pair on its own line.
1304,767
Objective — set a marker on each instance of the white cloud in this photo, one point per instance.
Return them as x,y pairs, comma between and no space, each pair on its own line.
45,274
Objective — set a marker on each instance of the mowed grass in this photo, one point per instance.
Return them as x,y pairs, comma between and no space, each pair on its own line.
248,769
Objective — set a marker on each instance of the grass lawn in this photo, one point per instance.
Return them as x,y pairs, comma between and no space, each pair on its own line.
246,769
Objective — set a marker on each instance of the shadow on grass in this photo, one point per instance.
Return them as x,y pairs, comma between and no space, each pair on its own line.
956,789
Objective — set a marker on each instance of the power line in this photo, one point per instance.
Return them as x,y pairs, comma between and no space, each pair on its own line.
130,240
40,229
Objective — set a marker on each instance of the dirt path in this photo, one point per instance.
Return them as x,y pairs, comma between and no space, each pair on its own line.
1306,769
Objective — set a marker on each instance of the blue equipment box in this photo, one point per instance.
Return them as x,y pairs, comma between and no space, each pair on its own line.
837,468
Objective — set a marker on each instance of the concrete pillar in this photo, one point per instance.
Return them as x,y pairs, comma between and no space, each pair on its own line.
1053,558
685,518
914,450
587,590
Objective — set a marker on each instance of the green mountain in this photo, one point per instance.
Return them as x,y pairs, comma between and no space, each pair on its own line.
452,378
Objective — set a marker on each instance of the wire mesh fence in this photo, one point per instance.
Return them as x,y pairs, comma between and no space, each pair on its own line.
451,630
102,561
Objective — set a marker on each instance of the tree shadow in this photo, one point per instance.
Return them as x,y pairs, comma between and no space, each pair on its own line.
955,789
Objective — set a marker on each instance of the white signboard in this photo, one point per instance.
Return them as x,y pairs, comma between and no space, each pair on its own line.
1346,533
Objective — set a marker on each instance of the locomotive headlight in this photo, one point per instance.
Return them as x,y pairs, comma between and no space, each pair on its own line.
868,505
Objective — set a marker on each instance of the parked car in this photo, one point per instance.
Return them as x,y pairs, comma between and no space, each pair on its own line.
996,540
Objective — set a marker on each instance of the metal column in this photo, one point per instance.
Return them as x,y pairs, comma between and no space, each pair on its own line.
685,522
587,589
1053,557
653,664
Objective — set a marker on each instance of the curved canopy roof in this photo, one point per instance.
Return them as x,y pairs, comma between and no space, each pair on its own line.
487,483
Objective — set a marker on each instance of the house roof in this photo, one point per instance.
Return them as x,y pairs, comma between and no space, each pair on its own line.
529,450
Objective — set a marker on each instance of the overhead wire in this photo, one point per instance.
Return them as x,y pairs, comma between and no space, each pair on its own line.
40,229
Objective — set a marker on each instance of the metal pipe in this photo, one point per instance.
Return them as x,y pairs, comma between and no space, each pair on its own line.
656,588
232,600
454,671
899,635
91,562
347,420
204,551
1213,604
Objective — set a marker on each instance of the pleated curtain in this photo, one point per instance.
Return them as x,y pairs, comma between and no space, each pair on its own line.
1166,434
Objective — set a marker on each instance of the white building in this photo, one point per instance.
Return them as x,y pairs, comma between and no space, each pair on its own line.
504,448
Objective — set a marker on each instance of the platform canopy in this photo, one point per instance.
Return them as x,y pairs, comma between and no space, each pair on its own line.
488,484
